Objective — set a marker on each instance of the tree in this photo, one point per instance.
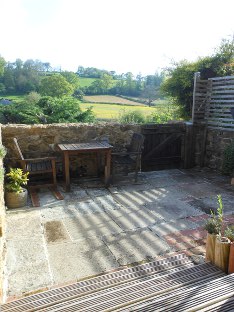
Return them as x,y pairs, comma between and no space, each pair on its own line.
107,82
2,64
33,98
46,110
150,94
56,86
179,84
72,78
67,109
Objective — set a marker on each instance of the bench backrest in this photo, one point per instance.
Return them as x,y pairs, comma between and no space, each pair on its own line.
137,142
18,149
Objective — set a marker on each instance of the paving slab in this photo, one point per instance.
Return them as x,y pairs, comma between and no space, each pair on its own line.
27,266
171,209
58,212
134,187
75,260
129,219
68,209
159,182
207,204
131,199
107,202
163,173
91,225
200,190
94,192
23,224
28,279
136,246
165,228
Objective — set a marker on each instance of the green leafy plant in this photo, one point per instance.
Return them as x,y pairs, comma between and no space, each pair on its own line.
133,116
15,179
228,159
229,233
214,224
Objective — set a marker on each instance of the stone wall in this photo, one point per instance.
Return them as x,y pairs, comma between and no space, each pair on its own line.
209,146
42,140
216,142
2,224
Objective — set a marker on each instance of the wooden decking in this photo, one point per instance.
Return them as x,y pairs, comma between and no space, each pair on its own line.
170,284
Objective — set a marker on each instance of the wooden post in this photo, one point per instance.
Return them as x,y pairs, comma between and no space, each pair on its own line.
203,147
196,79
108,167
188,146
66,171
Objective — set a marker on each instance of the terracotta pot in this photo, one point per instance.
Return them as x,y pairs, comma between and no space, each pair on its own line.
16,200
222,248
231,259
210,247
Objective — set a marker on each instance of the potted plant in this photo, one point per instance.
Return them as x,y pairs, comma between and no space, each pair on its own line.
213,227
222,244
15,195
229,233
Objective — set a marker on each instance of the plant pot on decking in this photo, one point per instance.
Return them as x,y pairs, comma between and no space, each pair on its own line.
231,259
210,247
222,249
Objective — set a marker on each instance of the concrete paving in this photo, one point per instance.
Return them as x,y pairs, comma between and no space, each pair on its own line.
94,229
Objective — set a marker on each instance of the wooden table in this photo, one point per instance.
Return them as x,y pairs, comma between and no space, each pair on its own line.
80,148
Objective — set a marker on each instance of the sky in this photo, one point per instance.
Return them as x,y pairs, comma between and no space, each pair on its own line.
140,36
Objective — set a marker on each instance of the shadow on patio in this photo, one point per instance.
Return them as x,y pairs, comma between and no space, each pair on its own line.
95,229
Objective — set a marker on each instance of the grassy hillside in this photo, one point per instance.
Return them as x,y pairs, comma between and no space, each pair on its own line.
86,82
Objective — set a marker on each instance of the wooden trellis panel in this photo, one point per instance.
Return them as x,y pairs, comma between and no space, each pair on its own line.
218,113
213,100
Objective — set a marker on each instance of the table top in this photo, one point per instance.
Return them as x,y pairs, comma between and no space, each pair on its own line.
91,146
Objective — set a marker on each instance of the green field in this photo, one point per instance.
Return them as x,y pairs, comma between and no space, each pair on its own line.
86,82
15,98
112,111
110,99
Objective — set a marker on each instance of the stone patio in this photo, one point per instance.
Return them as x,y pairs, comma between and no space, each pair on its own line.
94,229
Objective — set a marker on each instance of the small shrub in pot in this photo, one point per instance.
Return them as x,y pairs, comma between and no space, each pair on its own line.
15,193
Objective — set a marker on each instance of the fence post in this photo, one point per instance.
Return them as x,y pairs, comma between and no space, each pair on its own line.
188,146
196,79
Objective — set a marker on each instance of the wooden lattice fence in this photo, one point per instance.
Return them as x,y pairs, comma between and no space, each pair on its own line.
213,102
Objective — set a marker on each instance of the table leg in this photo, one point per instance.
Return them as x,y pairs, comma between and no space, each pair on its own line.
67,172
108,168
